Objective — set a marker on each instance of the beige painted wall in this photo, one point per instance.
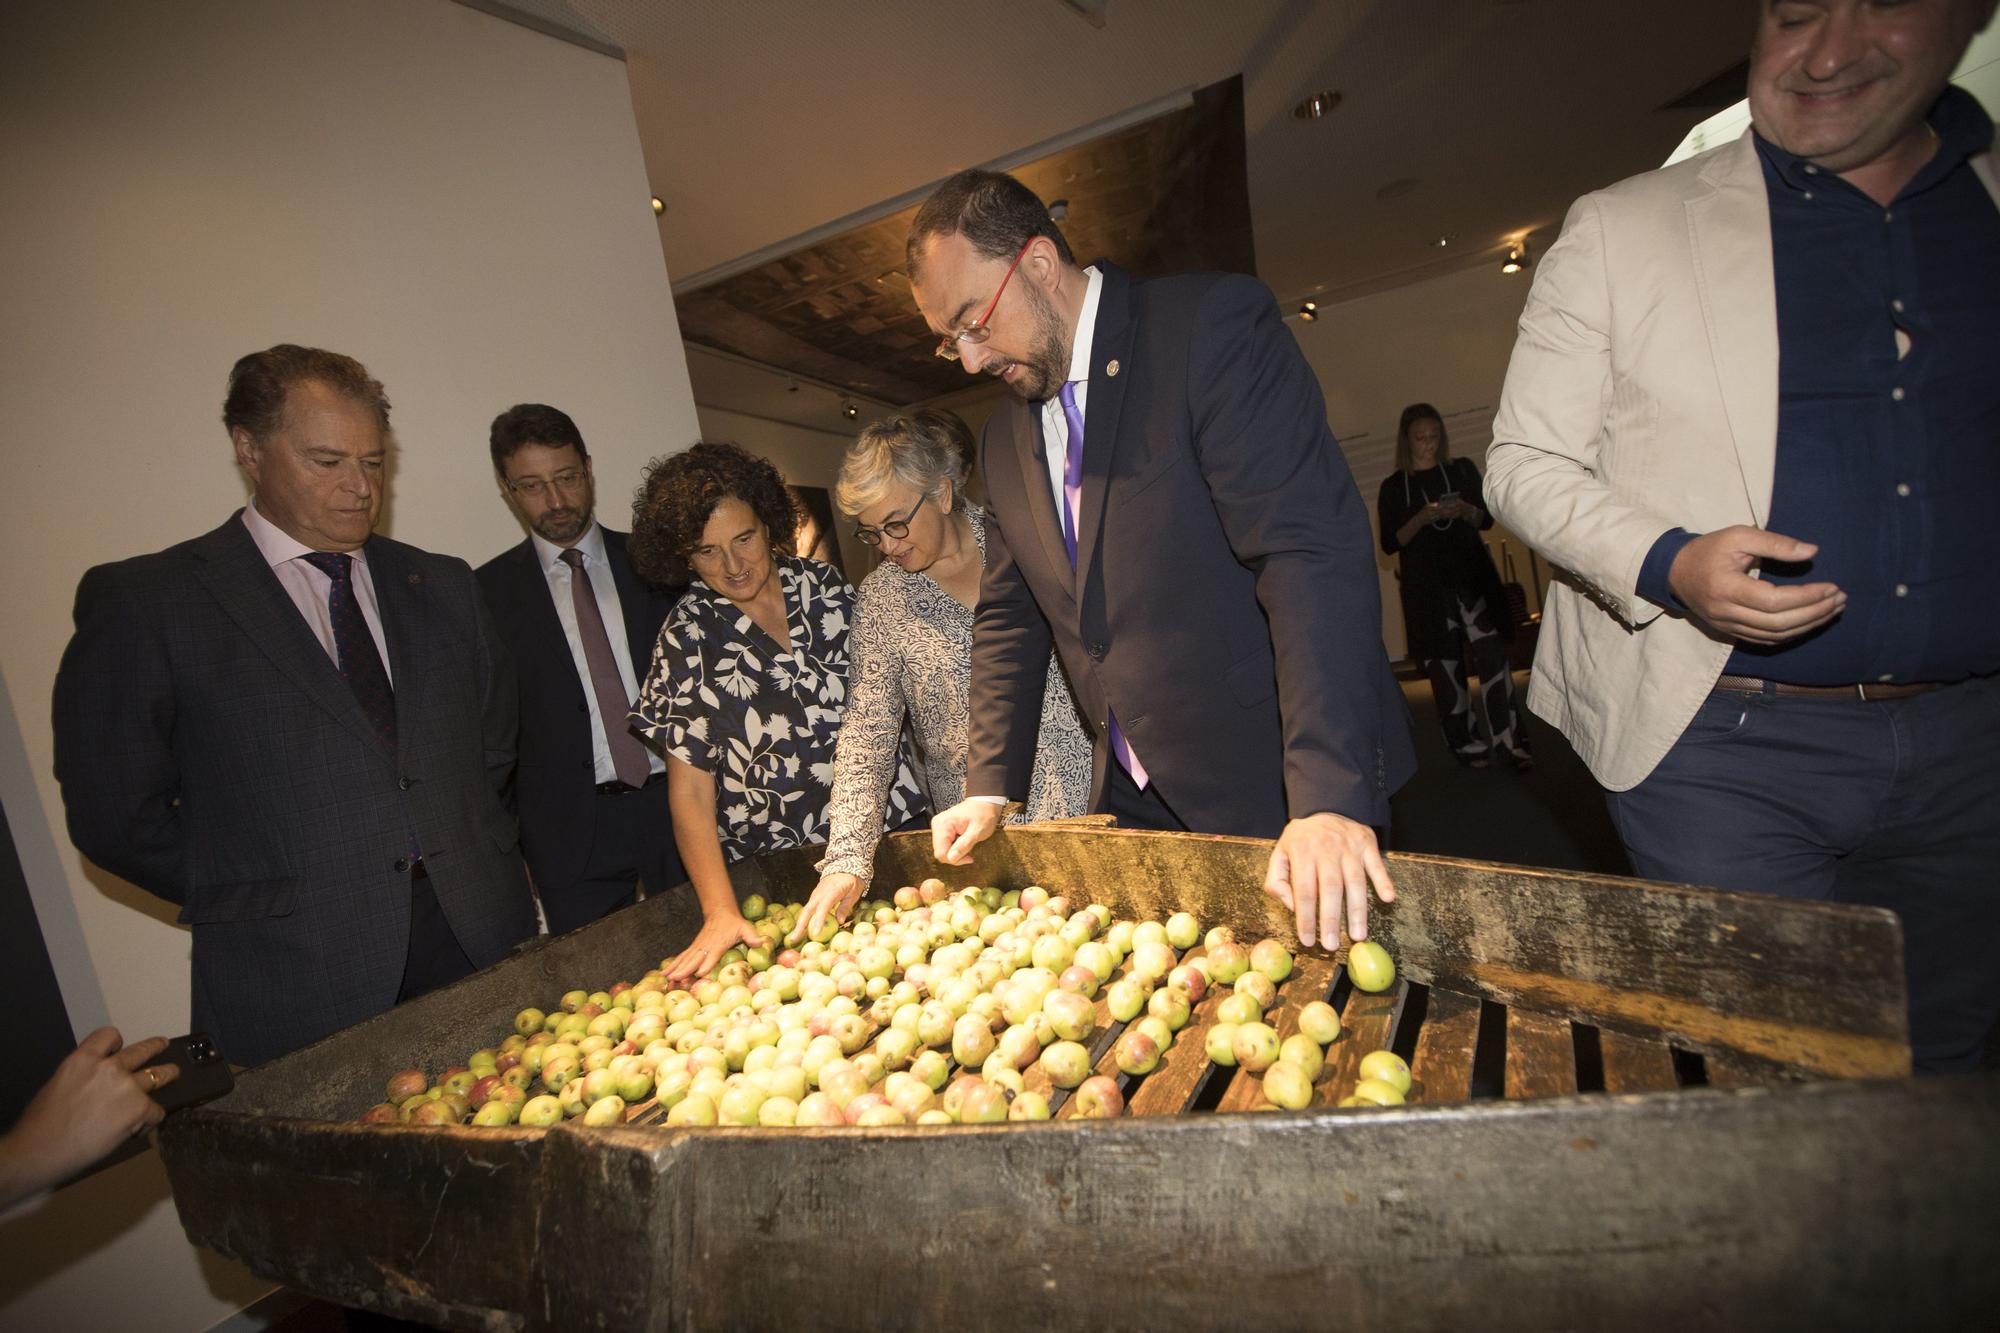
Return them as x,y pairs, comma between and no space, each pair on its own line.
456,201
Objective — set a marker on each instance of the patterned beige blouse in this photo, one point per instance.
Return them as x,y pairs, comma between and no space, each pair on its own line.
912,646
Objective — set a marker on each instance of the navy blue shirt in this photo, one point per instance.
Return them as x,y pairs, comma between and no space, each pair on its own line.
1890,465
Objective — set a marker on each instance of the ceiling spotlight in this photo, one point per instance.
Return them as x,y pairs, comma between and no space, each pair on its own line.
659,205
1319,104
1445,239
1059,210
848,409
1517,258
1309,311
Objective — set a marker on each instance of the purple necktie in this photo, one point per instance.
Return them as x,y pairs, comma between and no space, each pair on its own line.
628,757
354,646
1121,748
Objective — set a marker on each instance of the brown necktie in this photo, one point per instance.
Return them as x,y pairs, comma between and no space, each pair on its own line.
628,756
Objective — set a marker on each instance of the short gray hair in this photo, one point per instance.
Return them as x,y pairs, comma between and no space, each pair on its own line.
922,451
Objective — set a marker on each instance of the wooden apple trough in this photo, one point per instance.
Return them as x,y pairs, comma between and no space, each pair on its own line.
1636,1105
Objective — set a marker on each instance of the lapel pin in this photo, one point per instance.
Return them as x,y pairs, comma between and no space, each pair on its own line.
1110,367
416,578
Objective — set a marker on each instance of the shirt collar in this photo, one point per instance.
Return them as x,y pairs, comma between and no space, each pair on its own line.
591,543
1086,326
1963,130
278,546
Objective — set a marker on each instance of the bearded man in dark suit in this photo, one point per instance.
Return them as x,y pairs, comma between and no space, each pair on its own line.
299,731
591,796
1170,511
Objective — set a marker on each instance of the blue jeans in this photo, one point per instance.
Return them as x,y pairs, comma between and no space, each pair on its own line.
1891,804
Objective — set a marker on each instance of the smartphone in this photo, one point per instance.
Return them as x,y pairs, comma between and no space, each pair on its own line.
204,1073
1448,498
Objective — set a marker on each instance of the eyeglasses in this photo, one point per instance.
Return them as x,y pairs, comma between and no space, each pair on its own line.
895,528
976,332
532,487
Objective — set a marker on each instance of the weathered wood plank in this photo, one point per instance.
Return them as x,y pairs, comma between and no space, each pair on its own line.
1367,1023
1441,1067
1504,1216
1184,1066
1541,1055
1636,1064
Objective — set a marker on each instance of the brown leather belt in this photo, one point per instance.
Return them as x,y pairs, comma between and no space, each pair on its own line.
1867,692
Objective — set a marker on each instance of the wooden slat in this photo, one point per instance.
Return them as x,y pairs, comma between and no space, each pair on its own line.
1184,1066
1366,1024
1727,1069
1441,1070
1541,1056
1101,1059
1312,979
1636,1064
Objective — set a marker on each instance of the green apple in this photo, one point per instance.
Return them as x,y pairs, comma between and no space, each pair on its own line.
1387,1067
1319,1021
1369,967
1227,961
541,1111
605,1111
1136,1052
1238,1008
777,1112
1302,1051
1374,1092
1286,1085
1218,1044
1099,1098
1170,1005
1126,998
1029,1105
1067,1063
1255,1046
492,1115
1271,958
1183,930
692,1110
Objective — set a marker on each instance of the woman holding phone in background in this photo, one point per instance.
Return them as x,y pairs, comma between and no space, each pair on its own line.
1432,511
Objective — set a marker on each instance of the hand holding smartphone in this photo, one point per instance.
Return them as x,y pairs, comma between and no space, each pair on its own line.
204,1073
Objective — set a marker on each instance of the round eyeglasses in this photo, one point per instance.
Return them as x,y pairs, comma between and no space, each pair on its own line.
895,529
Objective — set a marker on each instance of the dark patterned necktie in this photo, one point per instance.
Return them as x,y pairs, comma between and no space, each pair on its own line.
354,646
614,707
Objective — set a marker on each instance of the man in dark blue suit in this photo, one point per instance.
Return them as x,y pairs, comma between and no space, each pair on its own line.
591,797
299,731
1169,509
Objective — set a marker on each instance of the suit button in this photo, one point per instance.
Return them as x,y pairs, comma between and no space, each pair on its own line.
405,784
1096,650
583,708
402,864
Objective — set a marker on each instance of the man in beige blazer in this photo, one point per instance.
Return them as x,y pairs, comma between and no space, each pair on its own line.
1753,416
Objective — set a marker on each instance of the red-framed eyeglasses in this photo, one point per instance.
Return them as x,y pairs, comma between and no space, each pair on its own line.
976,332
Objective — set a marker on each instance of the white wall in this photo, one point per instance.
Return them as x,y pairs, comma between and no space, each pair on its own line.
1445,342
458,202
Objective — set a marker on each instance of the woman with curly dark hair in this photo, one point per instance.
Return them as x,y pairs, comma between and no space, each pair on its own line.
749,678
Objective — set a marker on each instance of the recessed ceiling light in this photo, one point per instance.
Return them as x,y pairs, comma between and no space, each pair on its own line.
848,409
659,205
1059,210
1446,239
1319,104
1309,311
1517,258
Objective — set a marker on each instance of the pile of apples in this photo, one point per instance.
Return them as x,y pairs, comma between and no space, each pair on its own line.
929,1009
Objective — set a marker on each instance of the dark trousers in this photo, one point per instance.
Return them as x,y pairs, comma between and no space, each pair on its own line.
1892,804
633,843
1132,807
1473,634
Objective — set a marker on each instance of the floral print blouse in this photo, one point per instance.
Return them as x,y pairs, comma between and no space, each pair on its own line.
724,697
913,658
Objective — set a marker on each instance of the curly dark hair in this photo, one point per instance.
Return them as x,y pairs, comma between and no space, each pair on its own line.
678,495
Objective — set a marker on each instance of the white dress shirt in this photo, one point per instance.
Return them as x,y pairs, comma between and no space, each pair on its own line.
605,587
308,588
1055,426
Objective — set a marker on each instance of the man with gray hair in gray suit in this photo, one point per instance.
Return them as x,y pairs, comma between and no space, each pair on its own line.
299,732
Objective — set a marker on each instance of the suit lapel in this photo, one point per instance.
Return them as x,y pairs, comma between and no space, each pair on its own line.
1110,345
1729,227
237,576
1029,452
538,606
402,598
